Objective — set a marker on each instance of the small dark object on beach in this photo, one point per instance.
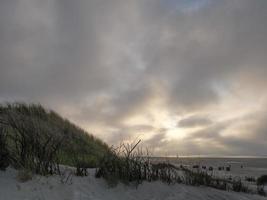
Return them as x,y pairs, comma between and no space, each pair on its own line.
204,167
228,168
210,168
195,166
219,168
241,166
250,179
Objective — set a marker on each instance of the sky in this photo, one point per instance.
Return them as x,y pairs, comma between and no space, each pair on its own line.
187,77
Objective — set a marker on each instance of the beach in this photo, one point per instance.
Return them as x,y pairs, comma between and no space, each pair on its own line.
243,167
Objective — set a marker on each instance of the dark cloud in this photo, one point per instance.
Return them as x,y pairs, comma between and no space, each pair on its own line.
157,140
194,121
99,62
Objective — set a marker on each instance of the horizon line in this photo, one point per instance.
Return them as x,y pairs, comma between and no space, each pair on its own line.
211,156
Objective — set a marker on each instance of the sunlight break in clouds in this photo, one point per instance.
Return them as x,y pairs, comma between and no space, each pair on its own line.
180,75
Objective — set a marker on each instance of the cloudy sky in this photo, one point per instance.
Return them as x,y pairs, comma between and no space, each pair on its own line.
188,77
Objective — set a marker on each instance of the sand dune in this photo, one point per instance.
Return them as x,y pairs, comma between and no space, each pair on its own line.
51,188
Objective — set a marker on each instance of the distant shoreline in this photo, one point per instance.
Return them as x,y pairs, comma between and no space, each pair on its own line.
206,156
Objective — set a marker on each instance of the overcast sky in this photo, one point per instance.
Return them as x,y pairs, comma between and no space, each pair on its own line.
188,77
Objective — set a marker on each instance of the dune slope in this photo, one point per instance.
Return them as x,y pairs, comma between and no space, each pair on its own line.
78,188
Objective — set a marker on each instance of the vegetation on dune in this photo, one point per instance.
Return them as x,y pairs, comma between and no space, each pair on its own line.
261,182
3,150
38,140
124,164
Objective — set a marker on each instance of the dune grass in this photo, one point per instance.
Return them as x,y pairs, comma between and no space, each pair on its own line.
38,140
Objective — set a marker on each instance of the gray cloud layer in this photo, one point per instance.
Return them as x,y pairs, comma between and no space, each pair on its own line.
101,62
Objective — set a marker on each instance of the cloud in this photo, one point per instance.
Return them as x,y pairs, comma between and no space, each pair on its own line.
194,121
101,63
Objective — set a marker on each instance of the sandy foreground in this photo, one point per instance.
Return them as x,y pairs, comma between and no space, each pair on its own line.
86,188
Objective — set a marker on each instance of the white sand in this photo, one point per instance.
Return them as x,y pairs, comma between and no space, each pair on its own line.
86,188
